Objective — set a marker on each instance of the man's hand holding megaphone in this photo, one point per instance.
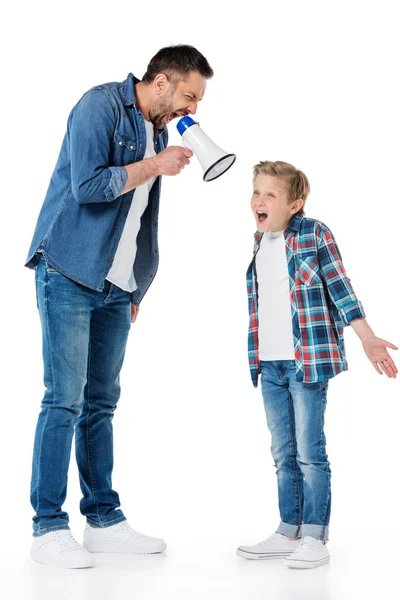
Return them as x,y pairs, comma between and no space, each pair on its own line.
172,160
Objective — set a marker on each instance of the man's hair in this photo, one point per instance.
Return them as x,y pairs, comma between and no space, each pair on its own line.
296,182
176,62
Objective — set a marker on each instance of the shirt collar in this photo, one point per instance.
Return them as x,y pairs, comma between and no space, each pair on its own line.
293,224
129,97
129,90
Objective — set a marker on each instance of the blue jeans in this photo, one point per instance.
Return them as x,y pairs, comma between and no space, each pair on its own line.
84,339
295,415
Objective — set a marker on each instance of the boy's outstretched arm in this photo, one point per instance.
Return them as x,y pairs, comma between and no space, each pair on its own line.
342,295
375,348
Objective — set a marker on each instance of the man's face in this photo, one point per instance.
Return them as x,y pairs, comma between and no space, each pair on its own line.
171,102
270,205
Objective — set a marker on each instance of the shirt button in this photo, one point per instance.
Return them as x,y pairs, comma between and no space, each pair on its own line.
111,258
130,147
150,276
120,143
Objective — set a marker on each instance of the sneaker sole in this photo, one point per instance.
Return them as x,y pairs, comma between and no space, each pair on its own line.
304,564
116,549
62,564
261,556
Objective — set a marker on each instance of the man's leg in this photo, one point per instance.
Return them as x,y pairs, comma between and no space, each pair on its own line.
109,329
64,309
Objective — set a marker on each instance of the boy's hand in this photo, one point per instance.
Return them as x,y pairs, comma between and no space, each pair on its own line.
375,349
134,312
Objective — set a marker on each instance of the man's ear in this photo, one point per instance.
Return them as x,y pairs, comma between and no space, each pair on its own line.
161,84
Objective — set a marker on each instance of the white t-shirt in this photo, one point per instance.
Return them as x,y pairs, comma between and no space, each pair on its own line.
275,333
121,272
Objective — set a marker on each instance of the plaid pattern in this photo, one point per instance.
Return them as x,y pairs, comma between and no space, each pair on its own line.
322,299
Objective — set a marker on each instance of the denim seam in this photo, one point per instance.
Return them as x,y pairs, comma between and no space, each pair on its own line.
299,515
324,515
46,315
109,294
89,441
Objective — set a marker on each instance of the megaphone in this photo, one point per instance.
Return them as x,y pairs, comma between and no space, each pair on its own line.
213,159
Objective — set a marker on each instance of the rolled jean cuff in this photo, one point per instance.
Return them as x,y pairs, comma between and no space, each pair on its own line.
289,530
106,523
319,532
45,530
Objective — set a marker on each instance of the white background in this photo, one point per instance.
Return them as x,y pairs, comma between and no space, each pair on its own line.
312,83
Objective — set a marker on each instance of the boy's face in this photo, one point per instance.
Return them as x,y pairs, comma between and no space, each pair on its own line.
270,205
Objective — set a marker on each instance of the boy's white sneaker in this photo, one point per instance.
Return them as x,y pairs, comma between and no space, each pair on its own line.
276,546
310,554
120,538
60,549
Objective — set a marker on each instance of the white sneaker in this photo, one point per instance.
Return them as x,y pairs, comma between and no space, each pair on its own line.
60,549
120,538
310,554
276,546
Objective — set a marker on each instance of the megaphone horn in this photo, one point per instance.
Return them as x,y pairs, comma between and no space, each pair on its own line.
212,158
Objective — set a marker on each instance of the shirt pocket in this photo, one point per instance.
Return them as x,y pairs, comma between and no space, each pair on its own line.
125,142
308,270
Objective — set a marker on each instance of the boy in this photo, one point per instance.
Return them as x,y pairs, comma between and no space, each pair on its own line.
300,298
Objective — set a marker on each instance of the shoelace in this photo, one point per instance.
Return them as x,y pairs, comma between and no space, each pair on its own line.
305,547
68,542
128,528
272,538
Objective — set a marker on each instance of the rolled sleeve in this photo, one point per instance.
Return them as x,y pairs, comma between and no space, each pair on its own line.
91,127
119,176
337,282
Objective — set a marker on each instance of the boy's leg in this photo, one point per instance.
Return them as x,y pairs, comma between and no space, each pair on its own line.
109,329
280,419
309,401
64,309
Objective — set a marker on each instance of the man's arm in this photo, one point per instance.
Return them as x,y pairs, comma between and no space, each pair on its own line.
91,131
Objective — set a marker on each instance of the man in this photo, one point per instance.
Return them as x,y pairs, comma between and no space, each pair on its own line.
95,254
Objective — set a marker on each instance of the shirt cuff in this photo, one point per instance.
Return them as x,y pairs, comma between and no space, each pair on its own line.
119,176
355,311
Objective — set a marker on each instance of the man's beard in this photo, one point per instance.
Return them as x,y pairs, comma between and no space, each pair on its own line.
158,111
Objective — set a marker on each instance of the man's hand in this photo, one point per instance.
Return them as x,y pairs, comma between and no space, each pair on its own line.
172,160
375,349
134,312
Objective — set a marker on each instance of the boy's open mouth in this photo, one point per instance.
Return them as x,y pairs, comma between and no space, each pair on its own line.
261,216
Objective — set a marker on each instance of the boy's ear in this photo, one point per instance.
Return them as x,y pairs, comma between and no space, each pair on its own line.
297,205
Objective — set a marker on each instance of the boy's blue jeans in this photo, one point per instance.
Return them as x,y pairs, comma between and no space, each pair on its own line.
84,339
295,415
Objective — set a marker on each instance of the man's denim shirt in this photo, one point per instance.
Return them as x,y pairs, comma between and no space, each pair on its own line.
84,213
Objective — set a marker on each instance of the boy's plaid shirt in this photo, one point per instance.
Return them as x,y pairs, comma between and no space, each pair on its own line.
322,300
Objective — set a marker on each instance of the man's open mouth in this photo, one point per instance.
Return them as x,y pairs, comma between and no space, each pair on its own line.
169,117
261,216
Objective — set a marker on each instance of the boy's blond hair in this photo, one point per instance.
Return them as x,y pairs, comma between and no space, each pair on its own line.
297,183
